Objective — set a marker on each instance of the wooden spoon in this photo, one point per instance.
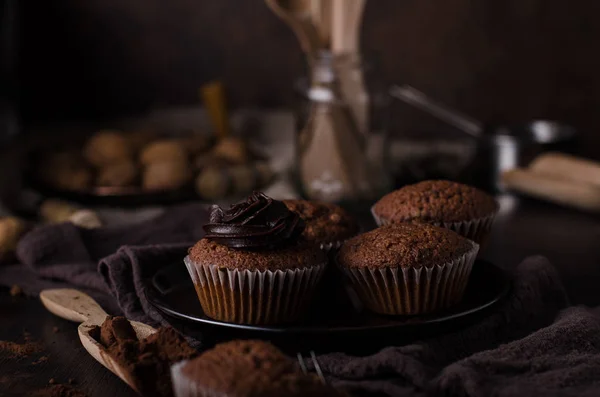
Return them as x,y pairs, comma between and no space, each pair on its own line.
556,189
213,97
574,169
297,14
76,306
346,23
345,45
322,18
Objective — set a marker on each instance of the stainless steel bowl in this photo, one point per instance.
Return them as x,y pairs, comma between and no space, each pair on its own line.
504,147
499,148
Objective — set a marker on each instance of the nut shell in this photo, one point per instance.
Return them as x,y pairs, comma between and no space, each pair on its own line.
117,175
165,175
233,150
106,147
163,151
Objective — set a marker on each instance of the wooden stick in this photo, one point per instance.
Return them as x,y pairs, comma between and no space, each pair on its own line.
568,167
213,96
353,25
346,23
338,25
297,16
554,189
325,23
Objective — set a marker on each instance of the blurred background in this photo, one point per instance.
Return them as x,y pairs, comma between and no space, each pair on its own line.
496,60
87,64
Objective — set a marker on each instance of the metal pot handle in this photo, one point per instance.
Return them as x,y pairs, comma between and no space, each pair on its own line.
416,98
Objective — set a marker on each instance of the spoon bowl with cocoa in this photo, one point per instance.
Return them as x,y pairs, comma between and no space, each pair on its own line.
76,306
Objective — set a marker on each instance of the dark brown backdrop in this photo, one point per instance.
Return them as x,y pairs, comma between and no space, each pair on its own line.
497,59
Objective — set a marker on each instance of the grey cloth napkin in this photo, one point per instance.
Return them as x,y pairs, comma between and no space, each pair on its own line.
530,344
525,347
110,263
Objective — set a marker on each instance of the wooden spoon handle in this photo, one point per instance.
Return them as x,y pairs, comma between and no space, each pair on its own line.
303,28
554,189
573,168
73,305
213,96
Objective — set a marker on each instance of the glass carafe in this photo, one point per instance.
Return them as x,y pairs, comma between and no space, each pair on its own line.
341,124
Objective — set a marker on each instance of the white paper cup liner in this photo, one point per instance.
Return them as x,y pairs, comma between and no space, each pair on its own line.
476,229
331,246
411,291
253,296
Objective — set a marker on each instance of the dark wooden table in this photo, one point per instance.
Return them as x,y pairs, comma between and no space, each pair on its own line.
570,239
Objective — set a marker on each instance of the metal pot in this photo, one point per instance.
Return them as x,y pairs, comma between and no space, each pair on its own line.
505,147
499,148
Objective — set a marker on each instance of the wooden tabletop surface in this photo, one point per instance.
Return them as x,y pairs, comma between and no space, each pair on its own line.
570,239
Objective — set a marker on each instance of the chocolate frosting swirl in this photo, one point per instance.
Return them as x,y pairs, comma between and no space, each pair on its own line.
259,222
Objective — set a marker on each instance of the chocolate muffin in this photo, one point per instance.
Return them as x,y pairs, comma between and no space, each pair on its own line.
245,369
408,268
252,267
327,225
464,209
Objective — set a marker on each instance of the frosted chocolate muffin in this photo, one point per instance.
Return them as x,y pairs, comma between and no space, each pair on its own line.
252,267
327,225
464,209
408,268
245,369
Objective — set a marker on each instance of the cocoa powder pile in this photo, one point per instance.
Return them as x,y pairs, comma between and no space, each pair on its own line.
11,349
148,361
31,349
59,391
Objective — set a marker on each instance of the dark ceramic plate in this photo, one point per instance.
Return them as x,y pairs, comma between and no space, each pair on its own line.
130,196
332,312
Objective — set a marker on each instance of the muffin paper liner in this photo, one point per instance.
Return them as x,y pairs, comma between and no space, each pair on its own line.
331,246
475,229
251,296
183,387
410,291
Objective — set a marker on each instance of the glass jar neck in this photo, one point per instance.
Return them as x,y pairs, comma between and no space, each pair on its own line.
326,65
326,69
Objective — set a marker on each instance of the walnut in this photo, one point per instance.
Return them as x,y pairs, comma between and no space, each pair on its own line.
107,147
56,211
85,218
163,151
118,174
11,230
165,175
212,183
234,150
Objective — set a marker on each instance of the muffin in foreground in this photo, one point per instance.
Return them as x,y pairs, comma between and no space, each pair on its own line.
327,225
245,369
467,210
252,267
408,269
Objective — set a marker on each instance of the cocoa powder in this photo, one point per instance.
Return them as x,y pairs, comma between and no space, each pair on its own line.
16,290
59,391
40,360
148,361
19,350
116,330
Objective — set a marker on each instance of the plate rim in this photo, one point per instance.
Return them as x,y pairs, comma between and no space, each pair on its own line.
300,329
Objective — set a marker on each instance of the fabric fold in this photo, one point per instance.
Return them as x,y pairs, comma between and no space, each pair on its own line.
531,343
536,298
